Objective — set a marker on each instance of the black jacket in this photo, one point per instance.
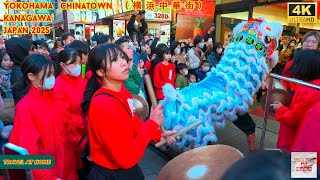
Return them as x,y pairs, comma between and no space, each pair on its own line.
138,32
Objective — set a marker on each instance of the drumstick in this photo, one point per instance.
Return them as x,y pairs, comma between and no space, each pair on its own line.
152,95
179,133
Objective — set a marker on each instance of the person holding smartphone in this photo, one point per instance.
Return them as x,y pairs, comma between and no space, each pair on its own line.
135,31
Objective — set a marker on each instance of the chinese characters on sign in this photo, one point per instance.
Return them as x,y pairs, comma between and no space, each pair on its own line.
188,5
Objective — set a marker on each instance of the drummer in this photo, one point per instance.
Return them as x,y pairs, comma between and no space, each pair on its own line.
118,138
305,66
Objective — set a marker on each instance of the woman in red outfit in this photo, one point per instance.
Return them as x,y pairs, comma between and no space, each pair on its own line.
38,122
305,66
164,73
118,138
307,137
310,41
70,88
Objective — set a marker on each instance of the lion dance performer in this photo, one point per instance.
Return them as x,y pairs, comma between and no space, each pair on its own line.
228,89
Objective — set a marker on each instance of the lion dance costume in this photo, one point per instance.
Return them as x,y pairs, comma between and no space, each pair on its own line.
228,89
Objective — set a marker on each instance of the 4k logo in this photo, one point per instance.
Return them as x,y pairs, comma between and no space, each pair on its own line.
305,12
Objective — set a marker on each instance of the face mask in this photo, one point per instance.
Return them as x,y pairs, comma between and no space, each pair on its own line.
49,83
205,69
201,45
219,51
186,72
150,42
133,47
75,71
50,46
177,51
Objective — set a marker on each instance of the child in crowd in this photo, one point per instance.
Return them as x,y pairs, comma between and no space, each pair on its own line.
5,74
192,78
204,68
182,72
69,88
164,72
118,138
39,117
83,51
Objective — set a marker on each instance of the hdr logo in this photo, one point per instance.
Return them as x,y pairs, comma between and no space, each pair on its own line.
304,12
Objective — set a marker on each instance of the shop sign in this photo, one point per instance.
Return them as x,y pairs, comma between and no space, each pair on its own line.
196,8
161,10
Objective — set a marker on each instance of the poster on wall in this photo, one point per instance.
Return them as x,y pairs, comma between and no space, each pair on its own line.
117,6
118,28
104,29
102,13
158,14
79,31
193,23
166,37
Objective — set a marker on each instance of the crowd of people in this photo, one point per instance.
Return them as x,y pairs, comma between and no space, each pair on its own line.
74,100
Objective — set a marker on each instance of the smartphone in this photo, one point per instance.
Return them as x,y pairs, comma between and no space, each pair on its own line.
11,149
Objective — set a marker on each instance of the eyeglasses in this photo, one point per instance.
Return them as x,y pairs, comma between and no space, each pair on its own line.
312,42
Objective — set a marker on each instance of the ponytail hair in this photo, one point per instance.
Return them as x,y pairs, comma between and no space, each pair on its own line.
99,57
34,64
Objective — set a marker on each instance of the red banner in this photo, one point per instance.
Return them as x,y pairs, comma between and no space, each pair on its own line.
200,8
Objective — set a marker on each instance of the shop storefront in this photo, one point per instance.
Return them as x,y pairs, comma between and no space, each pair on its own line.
115,20
231,12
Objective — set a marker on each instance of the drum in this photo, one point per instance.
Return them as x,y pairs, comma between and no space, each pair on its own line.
208,162
276,84
141,107
277,95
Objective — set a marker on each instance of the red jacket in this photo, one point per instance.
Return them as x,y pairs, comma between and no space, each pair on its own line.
70,90
148,66
38,127
289,85
162,75
291,117
307,136
118,138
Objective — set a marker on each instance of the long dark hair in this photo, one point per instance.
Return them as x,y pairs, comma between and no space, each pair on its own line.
79,46
34,64
65,55
2,54
306,65
99,57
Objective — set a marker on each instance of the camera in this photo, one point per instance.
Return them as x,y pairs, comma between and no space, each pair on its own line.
162,33
142,12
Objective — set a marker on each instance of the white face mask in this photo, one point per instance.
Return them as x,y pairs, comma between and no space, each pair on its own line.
205,69
50,46
219,51
75,71
177,51
186,72
201,45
